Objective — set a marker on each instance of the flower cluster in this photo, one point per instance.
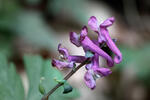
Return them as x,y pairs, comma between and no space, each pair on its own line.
94,70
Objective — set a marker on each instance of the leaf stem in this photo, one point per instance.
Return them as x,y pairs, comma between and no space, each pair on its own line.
46,96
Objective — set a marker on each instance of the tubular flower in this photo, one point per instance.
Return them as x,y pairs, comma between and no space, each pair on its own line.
62,64
103,35
94,71
66,60
88,44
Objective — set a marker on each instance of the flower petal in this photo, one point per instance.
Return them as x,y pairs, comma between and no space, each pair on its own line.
89,80
93,23
77,59
75,39
63,51
96,60
108,22
88,66
87,43
105,34
83,33
95,42
102,71
99,70
114,48
60,64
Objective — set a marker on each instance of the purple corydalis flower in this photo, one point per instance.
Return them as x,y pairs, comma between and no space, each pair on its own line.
87,44
97,69
62,64
63,51
66,60
92,49
91,76
77,38
94,71
103,35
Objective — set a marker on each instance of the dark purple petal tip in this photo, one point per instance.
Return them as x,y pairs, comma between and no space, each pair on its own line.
74,38
53,62
83,33
118,59
63,51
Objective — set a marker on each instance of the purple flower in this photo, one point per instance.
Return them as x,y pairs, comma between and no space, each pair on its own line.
87,44
92,49
89,80
62,64
66,60
75,39
94,71
103,35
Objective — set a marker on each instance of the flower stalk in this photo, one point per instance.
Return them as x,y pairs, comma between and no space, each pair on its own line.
46,96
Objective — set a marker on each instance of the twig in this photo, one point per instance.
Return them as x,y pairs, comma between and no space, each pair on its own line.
46,96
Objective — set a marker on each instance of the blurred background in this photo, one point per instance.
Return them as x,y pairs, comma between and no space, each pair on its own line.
37,26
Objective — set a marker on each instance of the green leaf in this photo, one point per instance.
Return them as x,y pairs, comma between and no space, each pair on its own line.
67,88
36,68
10,83
41,89
6,47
